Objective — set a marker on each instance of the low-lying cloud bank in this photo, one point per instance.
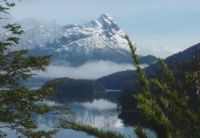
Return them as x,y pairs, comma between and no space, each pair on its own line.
89,70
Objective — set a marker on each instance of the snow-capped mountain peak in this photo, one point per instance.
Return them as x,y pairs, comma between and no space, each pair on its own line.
100,39
103,33
108,22
105,23
106,18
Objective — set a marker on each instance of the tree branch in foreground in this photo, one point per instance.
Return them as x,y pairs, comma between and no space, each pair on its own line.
90,130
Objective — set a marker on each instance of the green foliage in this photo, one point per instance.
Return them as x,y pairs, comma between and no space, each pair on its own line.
18,104
140,132
90,130
39,134
166,104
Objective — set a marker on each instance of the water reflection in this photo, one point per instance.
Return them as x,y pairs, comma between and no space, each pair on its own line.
99,113
100,104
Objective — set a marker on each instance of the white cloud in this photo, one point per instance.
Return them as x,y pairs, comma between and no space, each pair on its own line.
158,27
163,46
89,70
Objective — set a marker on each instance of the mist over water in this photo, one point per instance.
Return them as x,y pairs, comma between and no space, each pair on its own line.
89,70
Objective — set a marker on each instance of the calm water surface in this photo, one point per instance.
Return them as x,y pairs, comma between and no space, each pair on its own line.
100,113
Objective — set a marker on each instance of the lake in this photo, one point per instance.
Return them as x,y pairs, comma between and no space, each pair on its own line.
102,113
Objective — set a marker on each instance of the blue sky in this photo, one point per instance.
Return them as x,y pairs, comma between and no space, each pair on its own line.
158,27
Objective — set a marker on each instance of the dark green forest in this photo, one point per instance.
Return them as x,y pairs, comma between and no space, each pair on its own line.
67,90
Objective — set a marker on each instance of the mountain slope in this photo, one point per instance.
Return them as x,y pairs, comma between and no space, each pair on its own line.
120,80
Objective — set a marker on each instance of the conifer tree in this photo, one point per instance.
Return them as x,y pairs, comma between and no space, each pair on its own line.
18,104
167,104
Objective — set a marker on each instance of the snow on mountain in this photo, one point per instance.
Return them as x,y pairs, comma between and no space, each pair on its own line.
100,39
102,33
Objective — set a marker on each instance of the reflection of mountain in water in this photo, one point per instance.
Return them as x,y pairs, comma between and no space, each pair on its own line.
104,115
101,113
